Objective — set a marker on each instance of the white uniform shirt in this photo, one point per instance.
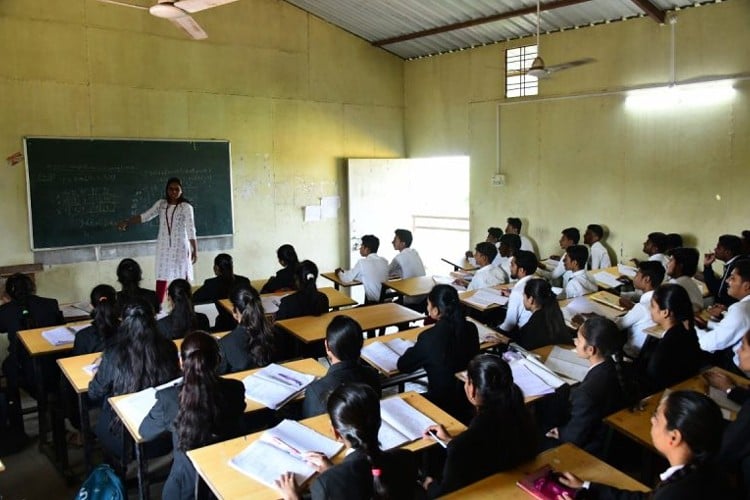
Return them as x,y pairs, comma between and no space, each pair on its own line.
695,294
503,263
517,315
176,229
487,276
526,244
635,321
406,264
660,257
729,331
580,283
372,271
599,258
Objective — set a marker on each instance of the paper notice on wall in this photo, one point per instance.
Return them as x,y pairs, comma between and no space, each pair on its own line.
329,207
312,213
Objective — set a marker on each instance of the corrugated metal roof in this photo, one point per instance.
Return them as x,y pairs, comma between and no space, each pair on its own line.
377,20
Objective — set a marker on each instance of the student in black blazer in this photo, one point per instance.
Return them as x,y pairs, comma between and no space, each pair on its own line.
182,318
204,409
129,274
367,472
729,250
443,350
686,429
677,355
220,287
343,346
501,435
307,300
105,315
603,391
284,279
251,344
546,325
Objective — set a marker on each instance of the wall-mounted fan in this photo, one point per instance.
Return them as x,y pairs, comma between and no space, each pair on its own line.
178,12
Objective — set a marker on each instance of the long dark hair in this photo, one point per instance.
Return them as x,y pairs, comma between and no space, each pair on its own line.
199,397
675,299
287,256
354,410
129,274
699,421
183,314
541,291
105,313
225,271
19,288
257,327
493,380
175,180
305,277
445,299
603,334
142,357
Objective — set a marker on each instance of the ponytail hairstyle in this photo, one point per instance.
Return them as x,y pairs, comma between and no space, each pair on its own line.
603,334
199,396
287,256
129,275
675,299
260,341
183,314
105,313
541,291
699,420
492,378
19,287
354,410
225,271
175,180
445,299
305,277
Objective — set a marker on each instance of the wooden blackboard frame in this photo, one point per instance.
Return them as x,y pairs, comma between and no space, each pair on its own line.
225,169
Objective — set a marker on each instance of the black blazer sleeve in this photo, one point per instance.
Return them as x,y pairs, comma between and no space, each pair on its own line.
201,322
162,415
583,419
204,294
415,357
712,281
101,385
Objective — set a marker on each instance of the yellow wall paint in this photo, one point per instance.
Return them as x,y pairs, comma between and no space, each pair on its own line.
293,94
588,160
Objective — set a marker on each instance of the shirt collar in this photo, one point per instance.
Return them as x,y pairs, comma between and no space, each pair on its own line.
668,473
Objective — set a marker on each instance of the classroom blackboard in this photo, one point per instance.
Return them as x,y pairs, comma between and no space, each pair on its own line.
79,188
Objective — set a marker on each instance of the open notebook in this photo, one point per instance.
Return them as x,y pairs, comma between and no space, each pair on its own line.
136,406
280,450
63,335
384,355
275,385
487,297
401,423
565,362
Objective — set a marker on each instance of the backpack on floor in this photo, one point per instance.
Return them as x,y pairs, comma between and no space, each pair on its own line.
102,484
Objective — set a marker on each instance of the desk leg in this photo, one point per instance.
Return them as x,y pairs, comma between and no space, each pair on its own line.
41,401
336,286
83,412
143,486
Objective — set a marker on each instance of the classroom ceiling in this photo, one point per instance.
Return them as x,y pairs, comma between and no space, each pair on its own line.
418,28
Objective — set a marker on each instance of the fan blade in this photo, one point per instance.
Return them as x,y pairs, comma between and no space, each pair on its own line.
190,27
569,64
123,4
199,5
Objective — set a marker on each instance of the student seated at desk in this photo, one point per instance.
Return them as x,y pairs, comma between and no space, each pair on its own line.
546,325
510,245
343,346
649,276
602,392
204,409
443,350
307,300
522,268
219,287
493,236
138,358
580,283
569,236
284,279
676,356
130,275
728,250
514,227
599,256
655,246
407,264
487,275
372,270
686,429
682,263
500,436
105,317
674,240
367,472
182,318
251,344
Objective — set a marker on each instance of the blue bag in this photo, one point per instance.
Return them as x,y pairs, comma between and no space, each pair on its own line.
102,484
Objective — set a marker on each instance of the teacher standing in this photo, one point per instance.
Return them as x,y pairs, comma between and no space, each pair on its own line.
176,249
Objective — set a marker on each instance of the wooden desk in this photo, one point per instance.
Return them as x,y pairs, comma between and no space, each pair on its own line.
337,281
462,296
336,299
461,265
313,328
637,424
37,345
566,457
411,287
212,462
598,308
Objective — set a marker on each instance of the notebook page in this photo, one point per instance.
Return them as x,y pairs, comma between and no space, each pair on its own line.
565,362
302,438
265,463
59,336
389,437
275,385
530,384
404,417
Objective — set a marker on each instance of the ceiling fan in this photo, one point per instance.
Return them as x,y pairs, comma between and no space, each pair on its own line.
178,12
538,68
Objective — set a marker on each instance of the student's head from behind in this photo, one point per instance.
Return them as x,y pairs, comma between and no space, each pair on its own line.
173,190
306,275
370,244
538,294
106,311
287,255
687,422
129,273
485,253
598,338
510,244
442,302
576,257
674,240
354,410
19,287
682,262
224,265
738,283
728,246
670,305
402,239
649,275
569,236
344,339
179,292
494,234
247,307
524,263
594,233
514,225
199,353
489,384
655,243
138,320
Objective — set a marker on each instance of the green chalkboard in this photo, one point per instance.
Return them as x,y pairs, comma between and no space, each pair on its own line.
79,188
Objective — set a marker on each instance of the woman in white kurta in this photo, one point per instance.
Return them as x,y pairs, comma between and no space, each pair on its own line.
176,249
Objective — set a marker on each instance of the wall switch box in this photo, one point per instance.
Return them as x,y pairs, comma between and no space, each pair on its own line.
498,180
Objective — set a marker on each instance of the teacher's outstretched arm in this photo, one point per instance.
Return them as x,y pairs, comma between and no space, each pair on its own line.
130,221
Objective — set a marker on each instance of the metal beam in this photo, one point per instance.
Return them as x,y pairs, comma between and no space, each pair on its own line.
652,10
482,20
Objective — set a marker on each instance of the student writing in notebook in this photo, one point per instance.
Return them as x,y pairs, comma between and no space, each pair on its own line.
182,318
686,429
219,287
580,283
251,344
307,300
371,270
367,472
546,325
599,256
500,436
682,263
284,278
648,276
205,408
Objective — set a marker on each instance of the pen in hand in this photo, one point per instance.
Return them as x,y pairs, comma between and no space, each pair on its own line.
434,436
